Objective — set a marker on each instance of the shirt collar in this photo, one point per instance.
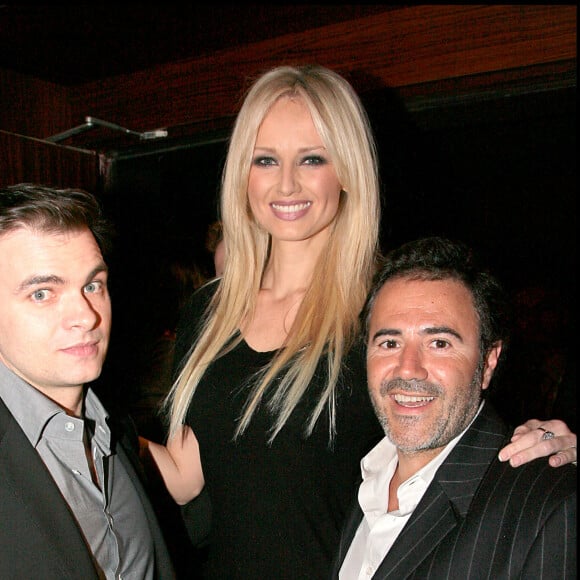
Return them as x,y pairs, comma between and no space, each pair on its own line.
33,410
378,466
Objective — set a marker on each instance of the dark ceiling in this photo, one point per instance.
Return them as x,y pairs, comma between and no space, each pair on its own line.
74,44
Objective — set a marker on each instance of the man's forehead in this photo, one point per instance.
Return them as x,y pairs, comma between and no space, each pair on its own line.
423,285
34,252
400,295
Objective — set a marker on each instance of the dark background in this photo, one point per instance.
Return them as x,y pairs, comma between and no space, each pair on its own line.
499,175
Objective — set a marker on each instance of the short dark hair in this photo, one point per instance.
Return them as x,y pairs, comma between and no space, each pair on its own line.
437,258
50,209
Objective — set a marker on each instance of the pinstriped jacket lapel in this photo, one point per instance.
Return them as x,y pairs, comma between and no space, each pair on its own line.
447,499
445,502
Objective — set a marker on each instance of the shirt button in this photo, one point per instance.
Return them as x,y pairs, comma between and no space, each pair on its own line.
69,426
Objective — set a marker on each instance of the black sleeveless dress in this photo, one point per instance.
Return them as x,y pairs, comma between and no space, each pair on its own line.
277,509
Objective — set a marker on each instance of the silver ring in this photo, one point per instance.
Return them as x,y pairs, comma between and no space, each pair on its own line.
547,435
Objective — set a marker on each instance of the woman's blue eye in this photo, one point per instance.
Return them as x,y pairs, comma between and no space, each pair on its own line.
264,161
314,160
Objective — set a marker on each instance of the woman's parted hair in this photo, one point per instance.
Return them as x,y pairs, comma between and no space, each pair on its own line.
342,278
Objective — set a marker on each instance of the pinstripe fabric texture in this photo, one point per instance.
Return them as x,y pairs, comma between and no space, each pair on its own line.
482,519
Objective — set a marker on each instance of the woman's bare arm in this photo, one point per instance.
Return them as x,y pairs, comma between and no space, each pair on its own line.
179,464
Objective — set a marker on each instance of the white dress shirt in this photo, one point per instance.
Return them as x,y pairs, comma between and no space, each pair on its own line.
379,528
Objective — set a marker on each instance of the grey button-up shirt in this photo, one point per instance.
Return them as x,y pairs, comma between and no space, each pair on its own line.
90,477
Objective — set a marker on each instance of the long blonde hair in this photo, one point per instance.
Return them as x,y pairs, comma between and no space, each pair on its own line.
342,276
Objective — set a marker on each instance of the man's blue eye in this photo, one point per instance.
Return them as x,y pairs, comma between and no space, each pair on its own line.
39,295
93,287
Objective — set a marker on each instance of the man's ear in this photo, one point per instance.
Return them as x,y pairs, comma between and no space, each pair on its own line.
490,364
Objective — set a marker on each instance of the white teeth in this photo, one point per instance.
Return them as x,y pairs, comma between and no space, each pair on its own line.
410,399
291,208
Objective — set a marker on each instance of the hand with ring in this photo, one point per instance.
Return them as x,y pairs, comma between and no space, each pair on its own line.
537,438
546,434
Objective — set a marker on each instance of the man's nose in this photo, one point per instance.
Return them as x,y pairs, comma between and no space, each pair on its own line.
411,365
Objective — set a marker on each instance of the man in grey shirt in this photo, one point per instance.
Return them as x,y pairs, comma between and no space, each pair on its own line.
71,502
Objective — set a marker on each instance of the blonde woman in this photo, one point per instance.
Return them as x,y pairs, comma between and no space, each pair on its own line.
271,396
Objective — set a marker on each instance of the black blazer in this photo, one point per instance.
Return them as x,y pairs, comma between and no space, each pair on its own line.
481,518
39,537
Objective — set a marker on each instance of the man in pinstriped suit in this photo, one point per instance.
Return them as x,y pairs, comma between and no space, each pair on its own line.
435,501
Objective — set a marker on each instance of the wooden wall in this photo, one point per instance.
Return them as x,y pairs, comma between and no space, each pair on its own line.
32,107
397,49
428,53
27,159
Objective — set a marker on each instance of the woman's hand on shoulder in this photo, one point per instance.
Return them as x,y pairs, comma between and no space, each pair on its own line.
537,438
